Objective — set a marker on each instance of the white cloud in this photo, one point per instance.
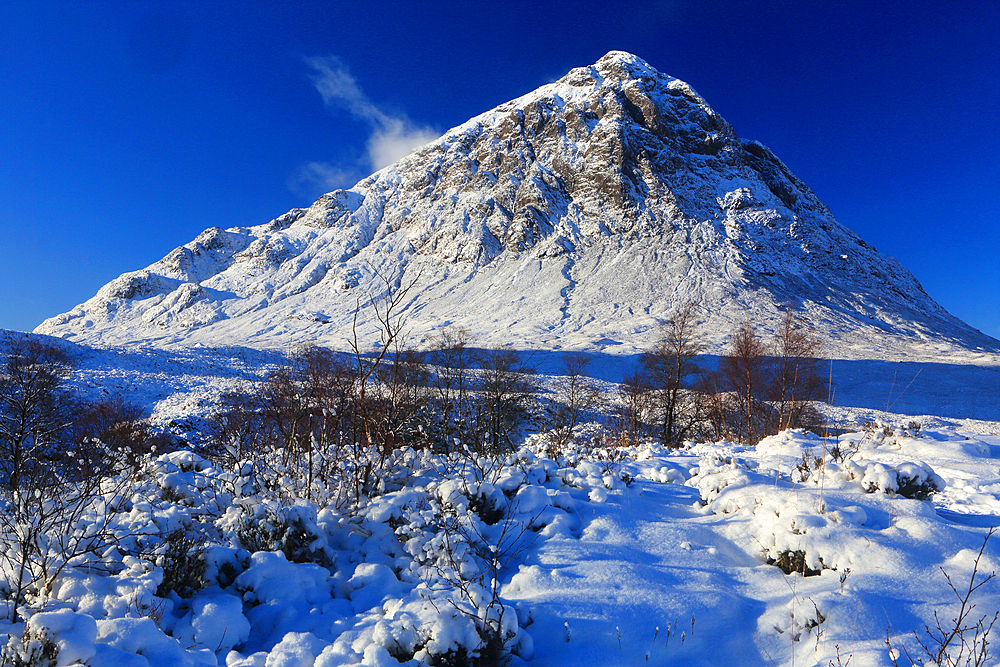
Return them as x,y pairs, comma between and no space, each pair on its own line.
396,140
316,178
392,135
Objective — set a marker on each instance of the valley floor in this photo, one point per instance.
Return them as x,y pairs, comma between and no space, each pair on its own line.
661,556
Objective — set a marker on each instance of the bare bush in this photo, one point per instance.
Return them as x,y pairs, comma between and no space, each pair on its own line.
237,429
118,425
54,503
471,564
59,513
574,396
714,405
963,640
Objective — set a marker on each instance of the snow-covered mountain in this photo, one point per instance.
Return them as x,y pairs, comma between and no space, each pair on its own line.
575,217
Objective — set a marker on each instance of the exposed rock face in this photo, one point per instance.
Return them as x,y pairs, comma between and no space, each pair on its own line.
576,216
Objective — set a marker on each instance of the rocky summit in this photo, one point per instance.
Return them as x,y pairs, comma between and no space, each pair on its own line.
575,217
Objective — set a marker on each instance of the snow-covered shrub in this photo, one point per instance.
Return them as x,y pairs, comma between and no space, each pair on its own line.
53,522
260,533
181,558
34,649
293,532
910,480
715,474
789,561
272,578
52,639
114,428
917,481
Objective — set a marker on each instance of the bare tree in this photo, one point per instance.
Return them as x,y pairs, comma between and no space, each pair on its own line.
49,485
402,397
796,377
667,365
452,360
629,417
575,395
386,309
504,392
714,405
745,372
36,412
238,430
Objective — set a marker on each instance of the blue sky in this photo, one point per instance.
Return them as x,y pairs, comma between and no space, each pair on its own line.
128,128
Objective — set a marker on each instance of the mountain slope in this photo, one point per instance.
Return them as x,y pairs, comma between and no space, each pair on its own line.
576,216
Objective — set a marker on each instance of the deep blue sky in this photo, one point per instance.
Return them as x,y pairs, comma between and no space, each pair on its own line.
128,128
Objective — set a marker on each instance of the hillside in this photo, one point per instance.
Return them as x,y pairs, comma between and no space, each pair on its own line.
575,217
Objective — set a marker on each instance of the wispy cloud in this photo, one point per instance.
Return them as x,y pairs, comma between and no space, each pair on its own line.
315,178
392,135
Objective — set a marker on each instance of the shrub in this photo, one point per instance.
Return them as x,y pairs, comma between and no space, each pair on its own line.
962,641
793,561
294,536
33,649
182,559
119,426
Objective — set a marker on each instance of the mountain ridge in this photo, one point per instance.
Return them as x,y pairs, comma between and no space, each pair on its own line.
581,212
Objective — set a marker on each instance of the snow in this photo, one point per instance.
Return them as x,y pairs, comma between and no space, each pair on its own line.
801,550
663,556
575,217
74,634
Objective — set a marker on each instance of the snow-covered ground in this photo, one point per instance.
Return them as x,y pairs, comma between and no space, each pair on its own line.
603,557
659,556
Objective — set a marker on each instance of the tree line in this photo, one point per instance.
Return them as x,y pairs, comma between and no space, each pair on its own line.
446,397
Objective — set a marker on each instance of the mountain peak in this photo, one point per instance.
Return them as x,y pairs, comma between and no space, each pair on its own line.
626,66
622,59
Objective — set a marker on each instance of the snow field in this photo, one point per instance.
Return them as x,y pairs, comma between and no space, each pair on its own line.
661,555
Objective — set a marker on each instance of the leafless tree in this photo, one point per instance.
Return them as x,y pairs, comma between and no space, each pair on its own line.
385,307
575,394
714,405
403,394
238,432
49,483
628,421
452,361
667,365
745,372
36,412
796,377
504,392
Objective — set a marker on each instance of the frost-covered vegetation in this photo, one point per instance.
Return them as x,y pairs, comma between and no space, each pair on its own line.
446,509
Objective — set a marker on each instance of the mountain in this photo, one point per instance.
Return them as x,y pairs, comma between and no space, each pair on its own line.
575,217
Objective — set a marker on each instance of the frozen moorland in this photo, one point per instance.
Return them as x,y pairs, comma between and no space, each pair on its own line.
552,555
